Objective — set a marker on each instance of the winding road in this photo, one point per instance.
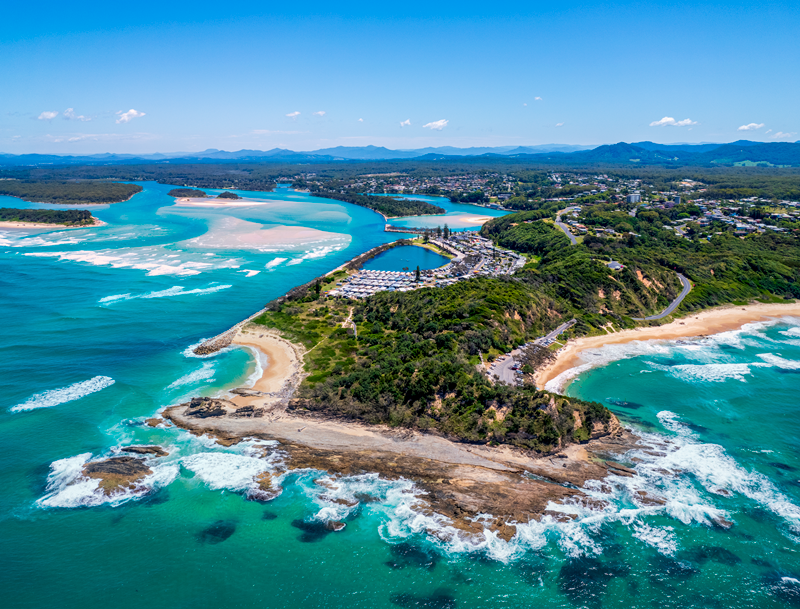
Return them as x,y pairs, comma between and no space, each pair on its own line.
687,287
564,227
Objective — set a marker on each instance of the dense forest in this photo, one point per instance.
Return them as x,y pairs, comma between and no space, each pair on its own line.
70,217
724,268
414,362
390,207
71,193
186,192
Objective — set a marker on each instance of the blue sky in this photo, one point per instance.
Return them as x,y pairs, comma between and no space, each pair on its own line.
186,76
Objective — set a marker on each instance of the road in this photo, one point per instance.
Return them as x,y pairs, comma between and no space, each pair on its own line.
503,369
565,228
687,287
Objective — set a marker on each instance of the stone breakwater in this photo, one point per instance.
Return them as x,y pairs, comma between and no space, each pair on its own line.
220,341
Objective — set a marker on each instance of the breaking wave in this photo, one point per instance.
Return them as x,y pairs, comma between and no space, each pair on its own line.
204,373
177,290
67,487
54,397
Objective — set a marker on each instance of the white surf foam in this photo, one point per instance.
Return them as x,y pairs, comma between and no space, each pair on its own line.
779,362
177,290
226,470
274,262
662,539
204,373
68,488
249,273
713,373
54,397
155,260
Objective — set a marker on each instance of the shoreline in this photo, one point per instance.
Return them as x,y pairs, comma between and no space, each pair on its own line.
11,224
704,323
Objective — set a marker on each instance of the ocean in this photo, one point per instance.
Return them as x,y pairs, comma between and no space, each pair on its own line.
98,331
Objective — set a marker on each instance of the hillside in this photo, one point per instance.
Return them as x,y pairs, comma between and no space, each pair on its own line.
414,364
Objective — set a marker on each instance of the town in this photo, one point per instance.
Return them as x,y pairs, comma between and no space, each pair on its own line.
472,255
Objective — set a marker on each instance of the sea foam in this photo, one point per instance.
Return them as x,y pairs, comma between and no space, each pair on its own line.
54,397
177,290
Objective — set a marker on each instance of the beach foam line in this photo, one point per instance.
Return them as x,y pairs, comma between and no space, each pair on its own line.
54,397
177,290
204,373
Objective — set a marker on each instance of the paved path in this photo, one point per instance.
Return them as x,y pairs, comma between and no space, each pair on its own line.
687,286
565,228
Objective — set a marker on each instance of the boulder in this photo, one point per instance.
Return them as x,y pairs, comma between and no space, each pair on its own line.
145,450
117,472
202,408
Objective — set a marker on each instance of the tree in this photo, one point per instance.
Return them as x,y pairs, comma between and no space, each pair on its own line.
439,231
425,237
416,274
446,232
317,288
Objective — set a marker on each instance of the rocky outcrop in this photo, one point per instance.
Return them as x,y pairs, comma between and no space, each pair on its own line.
248,392
156,451
202,408
117,472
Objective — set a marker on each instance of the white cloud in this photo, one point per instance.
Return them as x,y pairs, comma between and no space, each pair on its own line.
768,131
751,127
559,124
537,99
669,121
320,113
361,120
47,115
127,117
293,115
406,123
780,135
69,114
524,104
436,125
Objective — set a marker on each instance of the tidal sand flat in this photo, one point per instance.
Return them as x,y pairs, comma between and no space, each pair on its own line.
234,233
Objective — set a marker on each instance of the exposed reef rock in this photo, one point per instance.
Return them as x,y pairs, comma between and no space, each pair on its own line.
460,481
156,451
202,408
117,472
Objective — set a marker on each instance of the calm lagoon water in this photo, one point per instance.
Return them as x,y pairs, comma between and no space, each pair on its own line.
406,257
97,336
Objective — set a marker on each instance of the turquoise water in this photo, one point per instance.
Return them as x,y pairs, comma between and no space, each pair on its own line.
99,325
407,258
457,216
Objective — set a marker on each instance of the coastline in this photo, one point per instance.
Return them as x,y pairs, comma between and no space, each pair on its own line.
97,222
710,321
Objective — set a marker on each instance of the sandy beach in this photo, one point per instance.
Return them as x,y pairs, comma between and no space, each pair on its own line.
711,321
281,364
50,226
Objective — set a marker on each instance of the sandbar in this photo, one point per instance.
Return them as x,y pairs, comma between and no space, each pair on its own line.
710,321
96,223
215,202
235,233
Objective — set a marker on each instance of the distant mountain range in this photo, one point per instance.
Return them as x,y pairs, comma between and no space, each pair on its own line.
742,152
